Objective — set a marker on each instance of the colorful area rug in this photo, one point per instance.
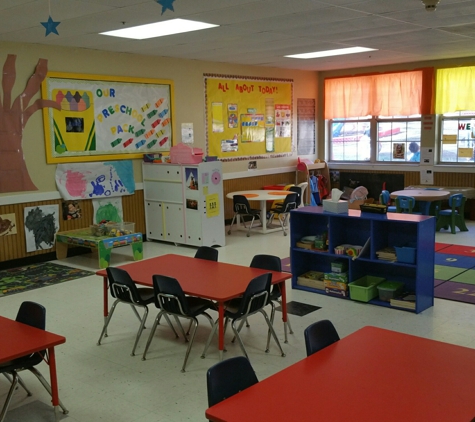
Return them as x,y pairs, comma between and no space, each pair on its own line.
454,272
29,277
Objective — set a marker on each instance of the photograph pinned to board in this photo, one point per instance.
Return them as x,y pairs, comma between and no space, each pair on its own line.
71,210
108,209
41,224
232,116
7,224
230,145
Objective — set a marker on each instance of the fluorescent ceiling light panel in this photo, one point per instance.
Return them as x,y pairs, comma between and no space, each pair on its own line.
159,29
328,53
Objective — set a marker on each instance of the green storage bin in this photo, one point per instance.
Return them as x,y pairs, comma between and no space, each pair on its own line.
389,290
365,288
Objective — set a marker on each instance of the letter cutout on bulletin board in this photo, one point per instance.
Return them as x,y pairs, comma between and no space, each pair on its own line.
103,118
95,180
248,117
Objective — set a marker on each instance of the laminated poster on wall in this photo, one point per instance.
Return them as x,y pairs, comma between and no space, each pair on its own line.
95,180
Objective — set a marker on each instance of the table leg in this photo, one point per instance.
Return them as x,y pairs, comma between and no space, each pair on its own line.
284,309
61,250
424,207
264,216
53,382
104,255
137,250
221,329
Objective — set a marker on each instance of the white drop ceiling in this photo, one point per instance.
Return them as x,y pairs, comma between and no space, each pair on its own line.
257,32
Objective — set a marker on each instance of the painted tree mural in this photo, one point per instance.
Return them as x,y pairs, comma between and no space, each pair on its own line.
14,116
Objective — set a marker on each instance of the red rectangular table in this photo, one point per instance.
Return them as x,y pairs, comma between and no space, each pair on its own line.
21,339
372,375
216,281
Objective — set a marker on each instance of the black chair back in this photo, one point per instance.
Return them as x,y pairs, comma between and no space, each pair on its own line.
169,295
241,204
298,191
290,203
207,252
319,335
256,295
229,377
266,262
122,286
34,315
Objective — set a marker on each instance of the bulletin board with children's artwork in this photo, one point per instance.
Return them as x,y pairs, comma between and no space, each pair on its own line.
106,117
248,117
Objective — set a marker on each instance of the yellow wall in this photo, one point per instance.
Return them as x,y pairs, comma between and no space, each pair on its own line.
189,94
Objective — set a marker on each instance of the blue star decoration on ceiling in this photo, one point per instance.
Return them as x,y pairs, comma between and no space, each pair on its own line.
166,4
50,26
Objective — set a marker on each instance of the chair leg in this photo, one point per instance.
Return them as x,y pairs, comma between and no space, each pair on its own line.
137,314
9,396
271,328
108,319
232,222
236,334
195,328
141,327
210,337
152,332
43,381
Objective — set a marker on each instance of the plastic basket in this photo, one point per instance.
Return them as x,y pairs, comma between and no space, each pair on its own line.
389,290
406,254
365,288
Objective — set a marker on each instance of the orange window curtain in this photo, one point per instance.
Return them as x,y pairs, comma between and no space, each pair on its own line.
388,94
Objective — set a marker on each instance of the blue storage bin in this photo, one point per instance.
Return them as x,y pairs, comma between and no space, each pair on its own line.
406,254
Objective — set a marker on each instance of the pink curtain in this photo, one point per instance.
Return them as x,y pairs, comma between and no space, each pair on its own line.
388,94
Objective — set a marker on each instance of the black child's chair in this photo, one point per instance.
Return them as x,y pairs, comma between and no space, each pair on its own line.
124,290
243,209
33,314
229,377
283,210
319,335
171,299
207,252
254,299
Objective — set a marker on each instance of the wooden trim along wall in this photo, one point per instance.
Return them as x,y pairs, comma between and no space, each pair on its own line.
14,246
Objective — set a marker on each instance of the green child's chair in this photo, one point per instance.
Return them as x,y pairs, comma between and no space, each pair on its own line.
453,216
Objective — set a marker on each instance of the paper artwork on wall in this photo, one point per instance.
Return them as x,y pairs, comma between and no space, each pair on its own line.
109,209
7,224
95,180
41,224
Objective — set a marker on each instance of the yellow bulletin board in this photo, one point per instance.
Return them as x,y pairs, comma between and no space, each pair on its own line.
248,117
106,117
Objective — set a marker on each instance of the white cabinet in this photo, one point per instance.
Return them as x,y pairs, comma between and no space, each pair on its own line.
184,203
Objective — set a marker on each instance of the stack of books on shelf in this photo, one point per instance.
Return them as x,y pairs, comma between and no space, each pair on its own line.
387,254
406,301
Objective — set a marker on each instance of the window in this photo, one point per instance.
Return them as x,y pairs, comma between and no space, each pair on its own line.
375,139
457,137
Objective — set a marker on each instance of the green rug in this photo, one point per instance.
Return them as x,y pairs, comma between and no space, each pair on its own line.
29,277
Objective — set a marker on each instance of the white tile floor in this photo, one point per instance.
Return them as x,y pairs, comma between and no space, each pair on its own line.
104,383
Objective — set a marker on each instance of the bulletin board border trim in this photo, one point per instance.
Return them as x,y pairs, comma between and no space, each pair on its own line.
248,78
50,159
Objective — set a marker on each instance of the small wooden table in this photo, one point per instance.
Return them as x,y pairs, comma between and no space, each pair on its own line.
261,195
212,280
372,375
423,196
21,340
103,244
